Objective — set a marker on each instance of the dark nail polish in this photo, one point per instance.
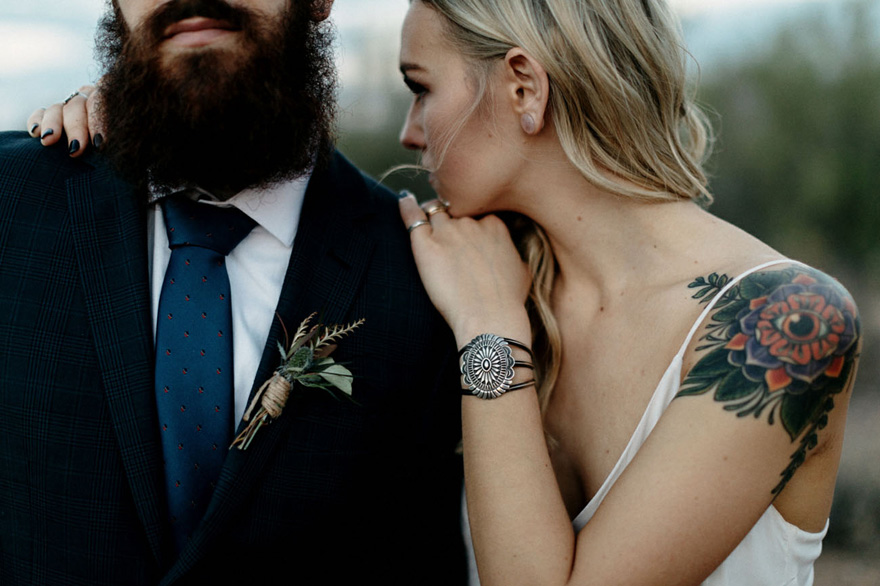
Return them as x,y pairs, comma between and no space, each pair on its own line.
47,132
74,146
98,140
34,127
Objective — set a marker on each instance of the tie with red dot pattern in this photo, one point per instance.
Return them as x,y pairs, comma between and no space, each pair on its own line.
194,388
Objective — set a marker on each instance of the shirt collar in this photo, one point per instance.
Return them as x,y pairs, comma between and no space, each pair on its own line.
276,208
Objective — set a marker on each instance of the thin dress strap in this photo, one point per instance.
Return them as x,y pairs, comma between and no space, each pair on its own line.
660,400
721,293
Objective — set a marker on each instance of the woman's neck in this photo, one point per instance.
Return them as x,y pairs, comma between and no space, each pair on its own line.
603,241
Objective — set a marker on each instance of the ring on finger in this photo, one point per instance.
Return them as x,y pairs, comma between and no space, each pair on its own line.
416,224
438,207
73,95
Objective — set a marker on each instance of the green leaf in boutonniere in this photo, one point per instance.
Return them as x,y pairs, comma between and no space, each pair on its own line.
306,362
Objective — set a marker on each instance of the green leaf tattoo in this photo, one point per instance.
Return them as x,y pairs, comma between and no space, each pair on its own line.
781,342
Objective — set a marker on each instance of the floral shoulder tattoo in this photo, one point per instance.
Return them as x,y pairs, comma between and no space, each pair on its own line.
780,342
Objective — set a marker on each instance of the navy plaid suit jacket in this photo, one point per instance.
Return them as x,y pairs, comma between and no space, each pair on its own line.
332,493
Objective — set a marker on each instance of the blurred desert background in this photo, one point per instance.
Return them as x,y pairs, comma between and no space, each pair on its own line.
792,87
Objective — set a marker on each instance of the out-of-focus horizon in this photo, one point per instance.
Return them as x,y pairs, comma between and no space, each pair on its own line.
793,90
46,46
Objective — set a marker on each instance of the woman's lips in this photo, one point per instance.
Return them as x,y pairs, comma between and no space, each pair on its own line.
197,31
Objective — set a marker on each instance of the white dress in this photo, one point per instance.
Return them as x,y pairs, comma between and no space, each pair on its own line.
773,553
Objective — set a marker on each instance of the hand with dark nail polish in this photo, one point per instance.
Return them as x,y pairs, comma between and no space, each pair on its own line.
98,140
74,146
47,132
34,127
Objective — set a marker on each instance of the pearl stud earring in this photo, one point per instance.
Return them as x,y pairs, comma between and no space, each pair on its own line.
528,124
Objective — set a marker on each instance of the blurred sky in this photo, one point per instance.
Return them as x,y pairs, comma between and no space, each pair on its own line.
46,45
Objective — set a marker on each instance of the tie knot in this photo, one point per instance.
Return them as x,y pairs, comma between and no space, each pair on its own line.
190,223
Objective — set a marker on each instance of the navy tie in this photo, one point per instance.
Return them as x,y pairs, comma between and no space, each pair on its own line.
194,384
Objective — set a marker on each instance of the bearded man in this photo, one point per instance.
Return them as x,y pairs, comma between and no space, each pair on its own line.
131,344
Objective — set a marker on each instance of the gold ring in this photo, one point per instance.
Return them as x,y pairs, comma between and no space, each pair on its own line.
435,209
415,225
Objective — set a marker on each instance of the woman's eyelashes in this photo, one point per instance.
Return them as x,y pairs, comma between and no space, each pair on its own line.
416,88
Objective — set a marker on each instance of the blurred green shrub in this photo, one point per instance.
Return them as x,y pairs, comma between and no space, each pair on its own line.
798,160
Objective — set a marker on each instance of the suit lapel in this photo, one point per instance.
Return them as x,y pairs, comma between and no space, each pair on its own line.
330,254
109,233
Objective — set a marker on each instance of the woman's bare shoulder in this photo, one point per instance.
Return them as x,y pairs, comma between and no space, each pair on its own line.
781,343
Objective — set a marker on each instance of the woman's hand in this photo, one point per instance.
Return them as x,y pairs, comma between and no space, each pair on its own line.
477,280
77,117
471,270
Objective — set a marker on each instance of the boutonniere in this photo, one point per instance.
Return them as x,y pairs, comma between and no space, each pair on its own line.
306,362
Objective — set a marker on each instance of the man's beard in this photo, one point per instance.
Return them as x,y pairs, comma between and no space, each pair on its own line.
225,120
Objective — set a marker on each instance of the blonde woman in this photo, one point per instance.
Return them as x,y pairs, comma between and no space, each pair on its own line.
669,393
692,382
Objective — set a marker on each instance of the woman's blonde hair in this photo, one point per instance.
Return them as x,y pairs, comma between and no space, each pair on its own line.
619,103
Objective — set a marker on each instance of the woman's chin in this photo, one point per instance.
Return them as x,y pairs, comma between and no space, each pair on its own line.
437,187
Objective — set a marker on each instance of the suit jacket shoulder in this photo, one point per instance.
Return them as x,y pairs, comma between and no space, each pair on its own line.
75,355
334,487
35,172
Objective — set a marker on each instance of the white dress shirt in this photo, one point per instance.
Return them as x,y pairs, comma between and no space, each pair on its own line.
256,270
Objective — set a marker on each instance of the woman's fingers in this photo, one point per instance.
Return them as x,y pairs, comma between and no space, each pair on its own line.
51,126
413,217
76,117
434,206
435,210
34,121
470,268
432,212
75,120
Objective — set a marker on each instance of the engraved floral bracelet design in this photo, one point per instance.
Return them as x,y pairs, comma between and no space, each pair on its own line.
487,366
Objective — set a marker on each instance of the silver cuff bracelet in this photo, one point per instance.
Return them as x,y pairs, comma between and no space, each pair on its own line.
487,366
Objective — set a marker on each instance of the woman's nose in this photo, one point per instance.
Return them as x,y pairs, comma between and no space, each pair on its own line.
411,135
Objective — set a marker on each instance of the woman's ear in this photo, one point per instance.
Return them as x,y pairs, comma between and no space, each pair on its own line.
529,89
